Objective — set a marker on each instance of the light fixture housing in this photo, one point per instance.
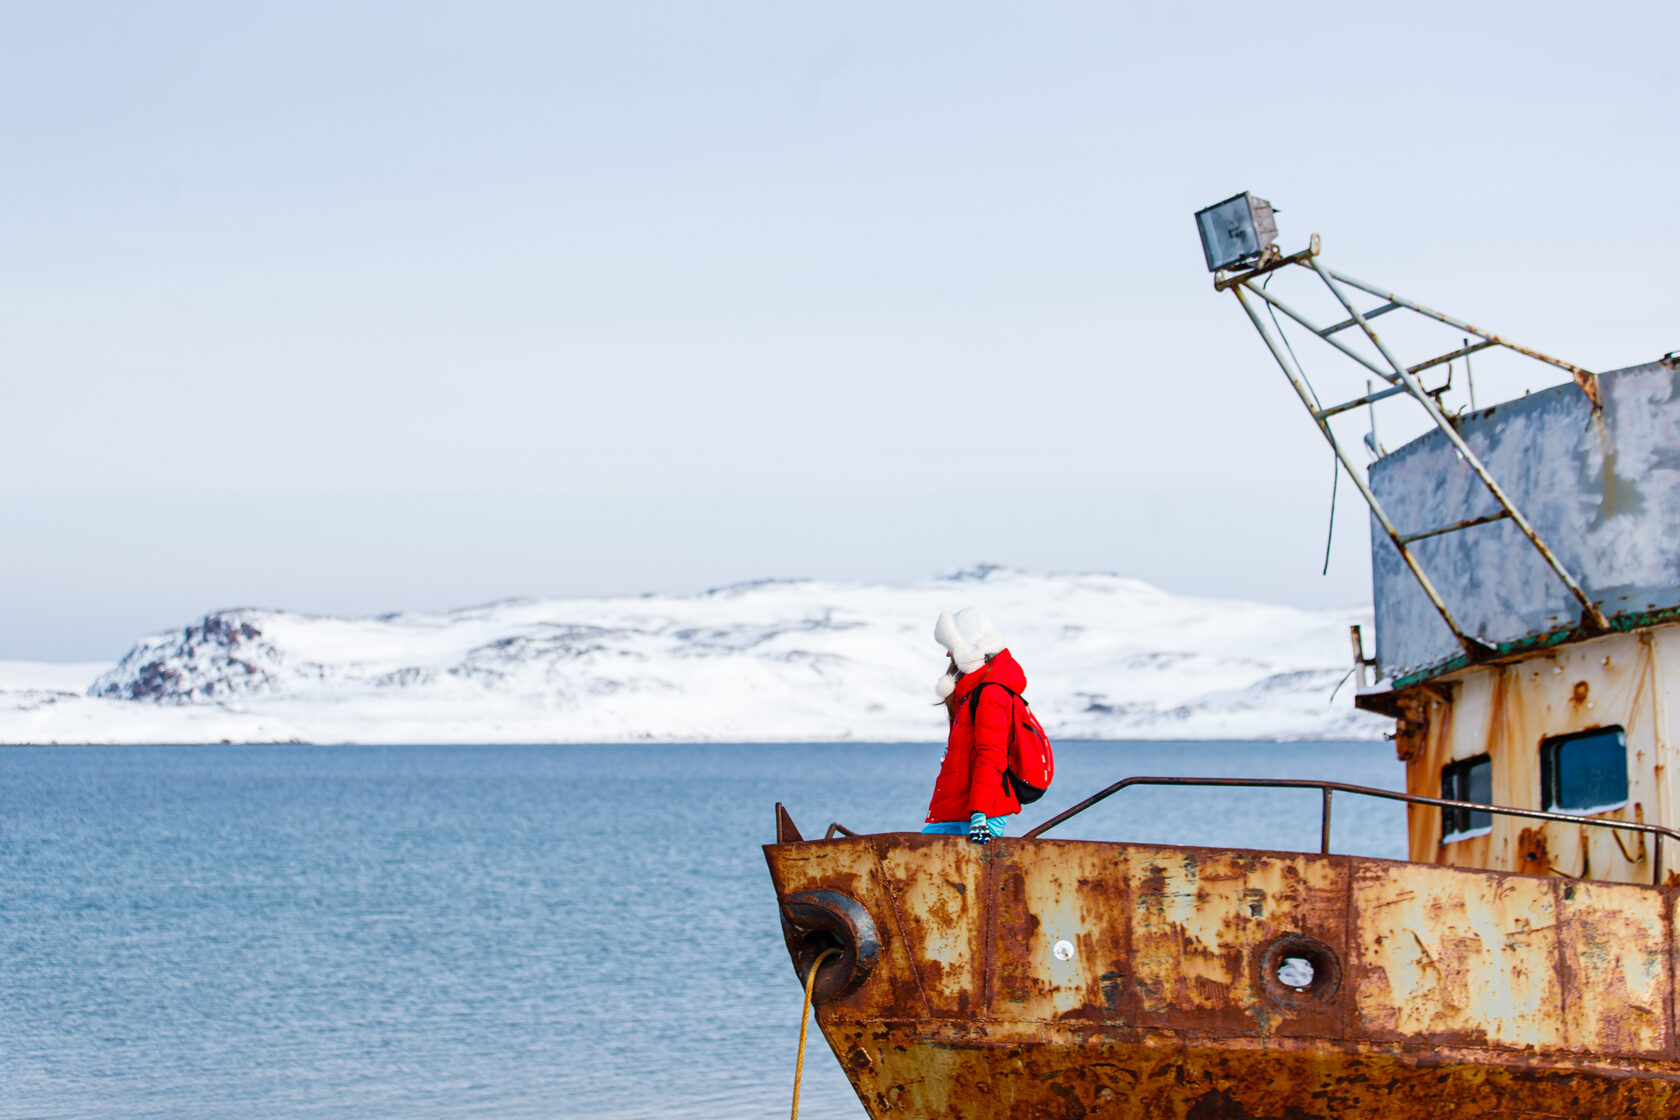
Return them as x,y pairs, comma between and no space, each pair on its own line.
1236,230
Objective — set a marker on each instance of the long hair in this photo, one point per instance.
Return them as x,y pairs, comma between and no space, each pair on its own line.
957,674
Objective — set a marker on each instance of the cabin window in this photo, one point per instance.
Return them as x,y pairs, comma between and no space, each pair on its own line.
1585,772
1469,779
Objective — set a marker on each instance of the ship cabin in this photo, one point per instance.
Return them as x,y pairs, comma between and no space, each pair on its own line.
1510,687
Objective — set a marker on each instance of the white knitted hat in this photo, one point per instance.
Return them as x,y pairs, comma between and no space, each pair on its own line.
969,636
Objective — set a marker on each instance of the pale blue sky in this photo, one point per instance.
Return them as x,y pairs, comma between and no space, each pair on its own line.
360,307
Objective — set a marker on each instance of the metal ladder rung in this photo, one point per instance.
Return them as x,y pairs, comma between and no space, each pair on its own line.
1380,394
1346,323
1500,516
1404,379
1453,357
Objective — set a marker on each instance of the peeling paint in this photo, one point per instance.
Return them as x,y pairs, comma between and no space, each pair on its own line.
1601,487
1460,992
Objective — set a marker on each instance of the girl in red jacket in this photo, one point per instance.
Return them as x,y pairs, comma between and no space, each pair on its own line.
971,795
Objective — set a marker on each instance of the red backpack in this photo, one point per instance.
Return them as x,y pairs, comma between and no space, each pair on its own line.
1032,764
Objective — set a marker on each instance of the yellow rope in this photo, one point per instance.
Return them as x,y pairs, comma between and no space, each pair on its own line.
804,1016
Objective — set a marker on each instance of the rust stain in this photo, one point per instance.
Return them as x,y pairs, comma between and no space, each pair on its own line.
1068,1075
1461,993
1615,968
1533,857
1408,737
1637,855
1506,711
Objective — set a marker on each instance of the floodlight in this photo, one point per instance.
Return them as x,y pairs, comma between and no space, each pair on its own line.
1235,230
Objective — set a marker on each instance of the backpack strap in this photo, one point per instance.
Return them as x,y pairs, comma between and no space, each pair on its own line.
974,697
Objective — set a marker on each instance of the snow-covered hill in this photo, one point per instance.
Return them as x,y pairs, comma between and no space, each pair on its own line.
1107,657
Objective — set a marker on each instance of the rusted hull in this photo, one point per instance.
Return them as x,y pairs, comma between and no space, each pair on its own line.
1070,978
930,1069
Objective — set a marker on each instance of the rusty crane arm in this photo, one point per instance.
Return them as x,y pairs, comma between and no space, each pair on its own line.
1402,380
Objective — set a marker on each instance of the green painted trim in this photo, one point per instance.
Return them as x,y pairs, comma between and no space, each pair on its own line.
1619,624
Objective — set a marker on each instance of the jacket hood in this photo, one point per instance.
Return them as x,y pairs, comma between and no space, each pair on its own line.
1004,670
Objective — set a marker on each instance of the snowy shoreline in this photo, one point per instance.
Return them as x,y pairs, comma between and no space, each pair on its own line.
1107,658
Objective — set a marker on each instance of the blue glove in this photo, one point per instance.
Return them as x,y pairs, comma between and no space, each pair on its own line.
979,831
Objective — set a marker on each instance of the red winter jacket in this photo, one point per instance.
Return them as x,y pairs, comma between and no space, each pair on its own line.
977,752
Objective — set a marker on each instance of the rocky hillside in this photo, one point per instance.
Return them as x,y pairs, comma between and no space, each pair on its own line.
1107,657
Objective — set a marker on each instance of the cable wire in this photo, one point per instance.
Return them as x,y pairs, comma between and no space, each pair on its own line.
804,1020
1335,465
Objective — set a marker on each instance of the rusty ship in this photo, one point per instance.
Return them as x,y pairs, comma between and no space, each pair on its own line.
1520,963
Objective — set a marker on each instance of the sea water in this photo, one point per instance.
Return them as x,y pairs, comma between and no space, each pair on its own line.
508,932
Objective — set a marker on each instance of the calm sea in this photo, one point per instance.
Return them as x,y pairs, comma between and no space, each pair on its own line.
509,932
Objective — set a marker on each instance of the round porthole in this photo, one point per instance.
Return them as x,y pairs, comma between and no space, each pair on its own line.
1300,972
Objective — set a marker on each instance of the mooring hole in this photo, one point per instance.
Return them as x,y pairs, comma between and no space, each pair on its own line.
1299,972
814,943
823,940
819,921
1296,972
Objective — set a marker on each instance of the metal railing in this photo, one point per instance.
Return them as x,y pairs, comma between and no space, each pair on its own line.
1328,789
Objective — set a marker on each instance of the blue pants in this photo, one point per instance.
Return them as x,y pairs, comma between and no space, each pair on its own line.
960,828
